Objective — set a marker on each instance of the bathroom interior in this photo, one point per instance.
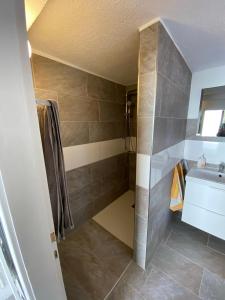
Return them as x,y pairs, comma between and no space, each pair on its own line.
142,155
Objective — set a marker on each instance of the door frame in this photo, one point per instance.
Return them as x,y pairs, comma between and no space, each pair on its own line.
22,163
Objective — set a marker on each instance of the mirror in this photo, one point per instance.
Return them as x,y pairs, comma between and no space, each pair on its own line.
211,122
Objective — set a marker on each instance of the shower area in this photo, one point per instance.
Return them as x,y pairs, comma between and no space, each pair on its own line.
118,217
97,124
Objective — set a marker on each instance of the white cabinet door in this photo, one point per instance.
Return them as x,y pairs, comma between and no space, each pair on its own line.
205,196
205,220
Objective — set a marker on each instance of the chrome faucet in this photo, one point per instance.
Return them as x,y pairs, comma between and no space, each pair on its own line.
222,167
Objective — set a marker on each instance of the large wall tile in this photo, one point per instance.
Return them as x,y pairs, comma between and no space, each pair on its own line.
168,132
51,75
101,89
147,51
170,100
120,93
96,185
78,178
101,131
141,229
111,112
71,87
74,133
191,127
144,133
159,218
140,254
142,202
147,92
170,62
78,109
45,94
132,170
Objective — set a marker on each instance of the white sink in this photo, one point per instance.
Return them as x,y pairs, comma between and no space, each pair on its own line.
204,203
211,176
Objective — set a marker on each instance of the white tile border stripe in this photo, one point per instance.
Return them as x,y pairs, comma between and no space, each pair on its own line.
143,170
81,155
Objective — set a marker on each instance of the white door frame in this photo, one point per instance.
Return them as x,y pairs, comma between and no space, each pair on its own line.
22,163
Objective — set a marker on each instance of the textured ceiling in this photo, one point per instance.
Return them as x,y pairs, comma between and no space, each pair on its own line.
101,36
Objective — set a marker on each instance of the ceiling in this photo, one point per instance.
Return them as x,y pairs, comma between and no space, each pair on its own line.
33,9
101,36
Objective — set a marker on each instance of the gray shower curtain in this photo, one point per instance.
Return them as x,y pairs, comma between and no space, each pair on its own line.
55,169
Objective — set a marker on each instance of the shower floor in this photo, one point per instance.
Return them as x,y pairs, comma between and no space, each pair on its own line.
118,218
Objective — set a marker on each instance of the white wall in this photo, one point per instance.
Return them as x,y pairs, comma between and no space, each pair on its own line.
21,159
203,79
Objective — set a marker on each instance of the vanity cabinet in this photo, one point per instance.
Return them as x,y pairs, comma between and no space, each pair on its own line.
204,203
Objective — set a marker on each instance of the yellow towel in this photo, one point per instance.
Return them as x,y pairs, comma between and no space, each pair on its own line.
177,189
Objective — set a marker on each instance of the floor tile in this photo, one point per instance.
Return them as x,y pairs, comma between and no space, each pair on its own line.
212,287
153,284
193,248
159,286
178,267
123,291
92,261
136,277
216,244
190,231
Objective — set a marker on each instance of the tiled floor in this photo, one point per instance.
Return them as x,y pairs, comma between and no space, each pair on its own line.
189,265
92,261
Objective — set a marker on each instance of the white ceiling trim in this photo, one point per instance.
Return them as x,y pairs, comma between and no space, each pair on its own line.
34,51
150,23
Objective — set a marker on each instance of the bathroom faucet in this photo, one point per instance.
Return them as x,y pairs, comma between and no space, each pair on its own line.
222,167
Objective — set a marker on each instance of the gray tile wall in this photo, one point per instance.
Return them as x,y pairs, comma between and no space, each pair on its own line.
172,96
132,170
93,187
171,108
91,108
145,118
163,87
191,128
159,218
146,89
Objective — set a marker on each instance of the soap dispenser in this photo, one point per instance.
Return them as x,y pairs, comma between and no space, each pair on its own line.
201,162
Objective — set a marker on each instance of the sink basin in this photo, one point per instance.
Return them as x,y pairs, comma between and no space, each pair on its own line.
211,176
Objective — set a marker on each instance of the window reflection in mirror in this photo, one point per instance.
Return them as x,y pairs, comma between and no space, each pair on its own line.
211,121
